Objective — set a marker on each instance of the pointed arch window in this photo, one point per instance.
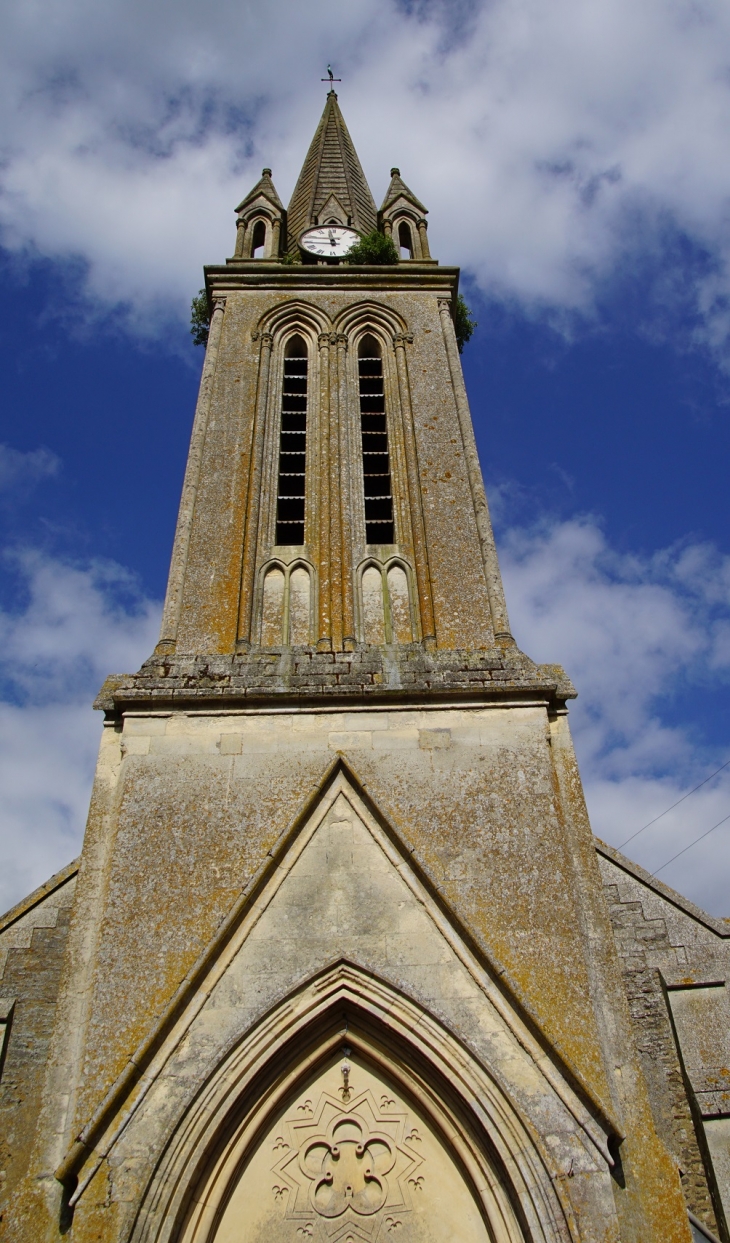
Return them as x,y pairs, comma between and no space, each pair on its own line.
379,526
292,445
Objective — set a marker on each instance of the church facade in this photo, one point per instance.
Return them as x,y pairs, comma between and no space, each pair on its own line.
341,959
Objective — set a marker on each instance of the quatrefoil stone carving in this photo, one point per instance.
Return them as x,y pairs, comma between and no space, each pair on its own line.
347,1168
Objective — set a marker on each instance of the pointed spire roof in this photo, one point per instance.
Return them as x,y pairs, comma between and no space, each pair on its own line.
265,187
398,189
331,169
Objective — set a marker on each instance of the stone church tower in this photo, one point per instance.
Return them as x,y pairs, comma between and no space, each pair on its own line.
341,959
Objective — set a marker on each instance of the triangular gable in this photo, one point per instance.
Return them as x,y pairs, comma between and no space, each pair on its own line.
333,209
340,889
399,190
264,189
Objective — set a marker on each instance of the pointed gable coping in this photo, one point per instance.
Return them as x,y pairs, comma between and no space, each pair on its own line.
332,209
264,188
147,1062
331,168
398,189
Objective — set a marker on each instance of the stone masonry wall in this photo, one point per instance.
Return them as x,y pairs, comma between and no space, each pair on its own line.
654,954
32,946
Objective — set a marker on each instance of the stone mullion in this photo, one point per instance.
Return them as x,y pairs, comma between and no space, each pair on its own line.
253,500
173,600
324,623
311,467
344,417
420,550
497,602
399,475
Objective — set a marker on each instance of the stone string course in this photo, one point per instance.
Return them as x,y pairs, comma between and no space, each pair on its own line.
304,673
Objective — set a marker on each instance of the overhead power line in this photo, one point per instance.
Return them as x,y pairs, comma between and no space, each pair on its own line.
679,800
694,843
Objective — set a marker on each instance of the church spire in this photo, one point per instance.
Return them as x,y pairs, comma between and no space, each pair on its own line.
332,184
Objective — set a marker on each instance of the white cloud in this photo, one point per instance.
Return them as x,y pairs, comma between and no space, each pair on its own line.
555,144
77,624
19,470
632,632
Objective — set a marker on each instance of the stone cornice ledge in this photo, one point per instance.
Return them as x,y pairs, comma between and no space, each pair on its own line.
220,278
303,676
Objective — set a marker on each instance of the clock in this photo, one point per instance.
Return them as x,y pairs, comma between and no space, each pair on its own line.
329,241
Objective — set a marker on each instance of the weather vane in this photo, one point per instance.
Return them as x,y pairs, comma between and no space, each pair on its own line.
330,78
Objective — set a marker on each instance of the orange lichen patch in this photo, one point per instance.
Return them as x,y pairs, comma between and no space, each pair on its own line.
189,839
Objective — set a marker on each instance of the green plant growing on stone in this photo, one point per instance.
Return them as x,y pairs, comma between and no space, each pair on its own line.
464,325
199,318
373,248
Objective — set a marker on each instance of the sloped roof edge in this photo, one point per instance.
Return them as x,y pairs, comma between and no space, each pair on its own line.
38,895
399,189
719,926
265,187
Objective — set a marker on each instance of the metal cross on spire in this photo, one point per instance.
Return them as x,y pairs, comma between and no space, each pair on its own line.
330,78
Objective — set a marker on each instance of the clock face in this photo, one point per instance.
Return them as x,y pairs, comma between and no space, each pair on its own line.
330,240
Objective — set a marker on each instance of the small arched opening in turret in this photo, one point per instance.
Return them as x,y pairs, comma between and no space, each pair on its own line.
258,240
379,526
405,240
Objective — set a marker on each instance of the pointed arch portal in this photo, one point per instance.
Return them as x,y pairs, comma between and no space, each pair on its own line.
351,1115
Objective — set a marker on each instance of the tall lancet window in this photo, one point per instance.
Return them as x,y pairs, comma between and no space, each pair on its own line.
293,446
375,456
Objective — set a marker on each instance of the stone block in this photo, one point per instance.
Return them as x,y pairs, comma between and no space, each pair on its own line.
137,744
395,740
146,726
429,739
350,740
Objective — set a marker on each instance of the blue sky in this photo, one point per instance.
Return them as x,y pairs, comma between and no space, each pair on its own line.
581,183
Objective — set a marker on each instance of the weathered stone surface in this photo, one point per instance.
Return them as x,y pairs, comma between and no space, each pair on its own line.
305,674
676,962
32,945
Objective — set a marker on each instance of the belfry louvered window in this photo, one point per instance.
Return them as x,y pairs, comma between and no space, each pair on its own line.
375,456
292,446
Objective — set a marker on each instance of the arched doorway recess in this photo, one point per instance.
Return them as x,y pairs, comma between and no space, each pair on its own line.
350,1118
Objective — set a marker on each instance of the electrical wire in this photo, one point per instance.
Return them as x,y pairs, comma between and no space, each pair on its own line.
679,800
694,843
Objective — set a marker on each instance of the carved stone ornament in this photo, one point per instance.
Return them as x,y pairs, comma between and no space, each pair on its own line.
347,1165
